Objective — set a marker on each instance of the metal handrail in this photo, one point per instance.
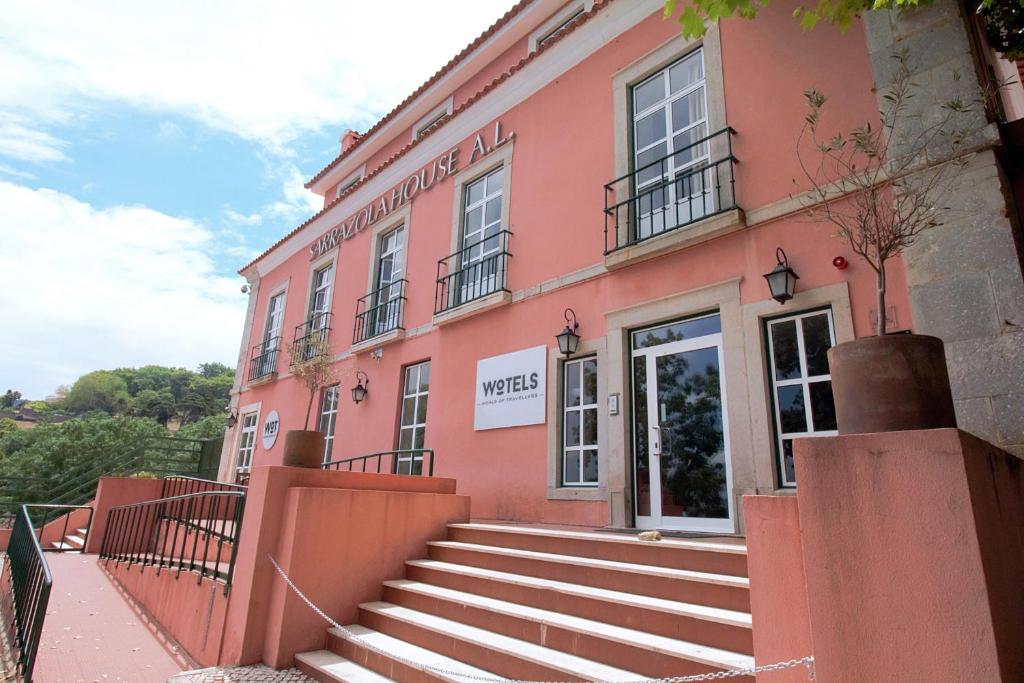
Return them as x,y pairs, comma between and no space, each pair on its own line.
652,210
30,582
375,319
66,511
139,533
415,456
181,485
263,360
471,281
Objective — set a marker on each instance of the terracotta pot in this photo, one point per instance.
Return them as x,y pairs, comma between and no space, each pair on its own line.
303,448
892,383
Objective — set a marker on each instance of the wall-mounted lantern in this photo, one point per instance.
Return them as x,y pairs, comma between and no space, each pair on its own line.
359,391
232,418
782,279
568,340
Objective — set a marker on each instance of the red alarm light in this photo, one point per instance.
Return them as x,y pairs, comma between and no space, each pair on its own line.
840,262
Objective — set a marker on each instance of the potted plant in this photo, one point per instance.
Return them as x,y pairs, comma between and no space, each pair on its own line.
310,362
883,188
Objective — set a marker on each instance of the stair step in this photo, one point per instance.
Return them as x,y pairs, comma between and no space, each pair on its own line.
326,666
721,628
367,647
714,590
77,541
706,556
649,653
61,545
510,657
82,532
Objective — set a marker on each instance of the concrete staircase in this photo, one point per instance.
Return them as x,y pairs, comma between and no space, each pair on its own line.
502,601
73,542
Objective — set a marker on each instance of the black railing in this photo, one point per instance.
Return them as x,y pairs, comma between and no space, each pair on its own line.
691,184
172,487
27,583
472,272
379,312
311,335
402,461
195,532
53,512
263,362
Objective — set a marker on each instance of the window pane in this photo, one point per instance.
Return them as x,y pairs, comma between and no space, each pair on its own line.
410,380
424,376
823,408
788,466
590,427
688,150
421,410
785,351
572,428
572,384
651,92
494,180
817,341
791,409
493,211
417,440
590,466
686,72
684,329
656,170
474,220
405,439
475,191
408,411
641,465
650,129
589,381
687,110
571,467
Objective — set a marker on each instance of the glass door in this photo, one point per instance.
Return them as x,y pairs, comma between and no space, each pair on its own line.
680,434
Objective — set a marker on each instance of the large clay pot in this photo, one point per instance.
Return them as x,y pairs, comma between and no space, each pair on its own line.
892,383
303,448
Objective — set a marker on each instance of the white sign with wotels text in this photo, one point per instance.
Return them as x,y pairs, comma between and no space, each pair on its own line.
510,389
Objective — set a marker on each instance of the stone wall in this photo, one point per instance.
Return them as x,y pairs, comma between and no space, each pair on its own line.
965,277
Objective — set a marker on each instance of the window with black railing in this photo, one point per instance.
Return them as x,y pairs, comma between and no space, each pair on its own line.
312,335
473,272
263,362
671,192
379,312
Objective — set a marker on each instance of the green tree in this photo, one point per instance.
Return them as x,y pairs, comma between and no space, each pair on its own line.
205,396
214,369
99,390
209,427
7,425
158,405
10,398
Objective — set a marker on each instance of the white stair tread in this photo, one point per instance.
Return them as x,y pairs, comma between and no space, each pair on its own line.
671,646
650,570
75,539
732,548
339,668
412,654
717,614
82,532
569,664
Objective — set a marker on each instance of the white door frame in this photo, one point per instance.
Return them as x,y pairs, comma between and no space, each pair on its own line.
656,520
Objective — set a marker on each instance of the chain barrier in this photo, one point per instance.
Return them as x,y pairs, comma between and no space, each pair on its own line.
807,662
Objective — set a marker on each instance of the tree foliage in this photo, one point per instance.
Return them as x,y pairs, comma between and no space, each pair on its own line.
9,399
1003,19
100,390
310,361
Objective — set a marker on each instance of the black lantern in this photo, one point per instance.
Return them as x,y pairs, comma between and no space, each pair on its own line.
359,391
232,419
782,279
568,340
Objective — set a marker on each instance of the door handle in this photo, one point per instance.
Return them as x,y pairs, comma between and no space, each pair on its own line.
656,440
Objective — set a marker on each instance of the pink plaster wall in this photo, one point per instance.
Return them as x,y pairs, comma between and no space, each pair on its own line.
191,611
778,585
271,527
556,202
55,529
913,547
114,491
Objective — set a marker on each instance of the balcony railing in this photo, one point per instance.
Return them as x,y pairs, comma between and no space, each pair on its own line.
379,312
264,359
691,184
472,272
311,335
415,461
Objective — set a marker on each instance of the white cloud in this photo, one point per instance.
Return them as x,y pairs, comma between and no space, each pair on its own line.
19,139
90,288
265,70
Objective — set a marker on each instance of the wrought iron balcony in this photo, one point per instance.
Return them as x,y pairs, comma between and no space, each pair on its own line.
379,312
681,188
472,272
263,362
312,335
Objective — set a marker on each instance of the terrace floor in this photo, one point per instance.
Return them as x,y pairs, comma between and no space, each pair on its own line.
95,632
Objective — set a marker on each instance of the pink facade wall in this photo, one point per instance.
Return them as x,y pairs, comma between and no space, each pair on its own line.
115,491
556,203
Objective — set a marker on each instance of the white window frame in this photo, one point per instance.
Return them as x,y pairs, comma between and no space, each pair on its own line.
435,115
246,447
329,400
803,381
580,409
467,239
350,180
557,22
403,464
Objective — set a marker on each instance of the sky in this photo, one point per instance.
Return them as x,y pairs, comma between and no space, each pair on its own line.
149,150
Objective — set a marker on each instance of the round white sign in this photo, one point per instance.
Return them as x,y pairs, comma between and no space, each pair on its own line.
271,426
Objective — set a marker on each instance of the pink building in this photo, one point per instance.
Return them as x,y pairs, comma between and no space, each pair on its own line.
578,161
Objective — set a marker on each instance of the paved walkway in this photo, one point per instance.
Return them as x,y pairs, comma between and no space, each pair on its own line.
95,632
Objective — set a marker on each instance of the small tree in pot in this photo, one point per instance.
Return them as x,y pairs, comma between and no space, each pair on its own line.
882,188
310,362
